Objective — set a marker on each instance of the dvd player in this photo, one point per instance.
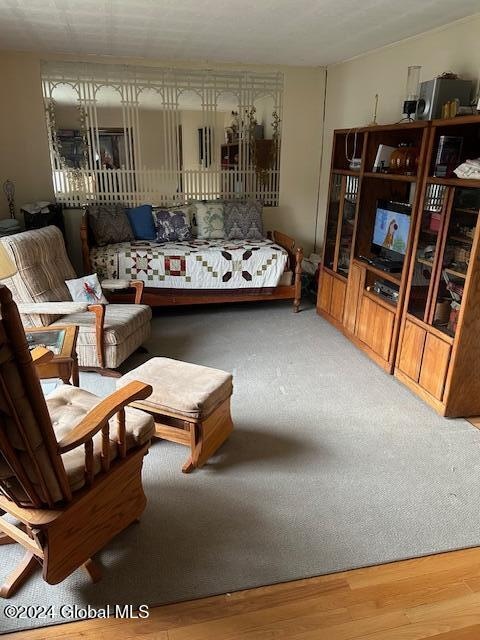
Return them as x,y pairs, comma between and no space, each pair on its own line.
384,264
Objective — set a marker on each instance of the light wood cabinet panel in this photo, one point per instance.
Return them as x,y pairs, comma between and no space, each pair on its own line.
436,357
366,319
411,350
375,326
354,286
382,331
325,291
337,301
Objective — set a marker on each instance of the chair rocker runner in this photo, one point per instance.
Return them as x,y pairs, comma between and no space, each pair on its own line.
108,334
63,461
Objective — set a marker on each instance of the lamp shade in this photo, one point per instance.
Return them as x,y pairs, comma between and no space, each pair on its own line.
7,266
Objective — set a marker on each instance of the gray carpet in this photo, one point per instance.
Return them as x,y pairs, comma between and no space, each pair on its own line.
332,465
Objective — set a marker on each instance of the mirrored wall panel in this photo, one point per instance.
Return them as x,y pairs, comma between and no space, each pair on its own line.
145,134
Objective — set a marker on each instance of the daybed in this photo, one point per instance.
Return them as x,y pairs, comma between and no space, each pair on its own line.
198,271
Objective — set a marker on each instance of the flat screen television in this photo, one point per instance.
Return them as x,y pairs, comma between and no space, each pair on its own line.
391,229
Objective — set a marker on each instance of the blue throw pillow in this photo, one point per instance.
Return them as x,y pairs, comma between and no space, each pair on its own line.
141,221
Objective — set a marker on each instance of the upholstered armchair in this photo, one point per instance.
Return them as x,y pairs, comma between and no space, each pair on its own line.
108,334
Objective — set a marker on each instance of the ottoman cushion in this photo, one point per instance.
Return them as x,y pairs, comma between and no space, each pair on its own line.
181,388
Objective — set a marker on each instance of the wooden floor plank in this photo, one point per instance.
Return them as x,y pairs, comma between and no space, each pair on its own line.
427,598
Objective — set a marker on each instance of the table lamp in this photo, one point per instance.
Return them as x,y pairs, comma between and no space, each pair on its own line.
7,266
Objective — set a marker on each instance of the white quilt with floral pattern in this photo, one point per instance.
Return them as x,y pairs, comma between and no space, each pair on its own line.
194,264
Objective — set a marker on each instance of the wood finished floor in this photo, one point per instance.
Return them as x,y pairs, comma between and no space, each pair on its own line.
433,597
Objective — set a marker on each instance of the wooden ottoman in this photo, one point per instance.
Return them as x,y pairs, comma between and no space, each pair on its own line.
189,403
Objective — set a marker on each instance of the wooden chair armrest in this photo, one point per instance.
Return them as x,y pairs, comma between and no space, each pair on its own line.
52,308
101,414
99,311
138,285
41,355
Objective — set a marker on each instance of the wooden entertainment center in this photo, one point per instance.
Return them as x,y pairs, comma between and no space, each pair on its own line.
420,318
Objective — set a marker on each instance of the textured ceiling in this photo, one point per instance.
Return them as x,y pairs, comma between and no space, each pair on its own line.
295,32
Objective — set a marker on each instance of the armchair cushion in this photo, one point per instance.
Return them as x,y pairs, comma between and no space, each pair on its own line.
68,405
42,268
126,327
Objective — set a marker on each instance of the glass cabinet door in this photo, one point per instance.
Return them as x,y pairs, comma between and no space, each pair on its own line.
427,248
455,259
348,206
332,221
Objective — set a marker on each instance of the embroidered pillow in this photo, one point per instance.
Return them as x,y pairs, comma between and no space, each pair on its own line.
141,221
86,289
243,220
210,220
193,208
172,224
109,224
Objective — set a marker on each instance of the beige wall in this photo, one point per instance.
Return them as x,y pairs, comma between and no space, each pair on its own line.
24,150
352,85
300,155
24,157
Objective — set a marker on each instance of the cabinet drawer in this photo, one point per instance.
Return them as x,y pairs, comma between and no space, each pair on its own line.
435,361
375,326
411,351
325,291
337,301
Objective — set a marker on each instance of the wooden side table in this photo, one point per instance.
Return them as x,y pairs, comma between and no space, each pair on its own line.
62,341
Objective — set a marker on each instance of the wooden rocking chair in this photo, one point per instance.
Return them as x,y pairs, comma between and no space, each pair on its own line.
70,473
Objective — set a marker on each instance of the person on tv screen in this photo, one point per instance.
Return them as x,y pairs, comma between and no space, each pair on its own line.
392,227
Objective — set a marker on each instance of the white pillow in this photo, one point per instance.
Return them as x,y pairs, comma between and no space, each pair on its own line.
86,289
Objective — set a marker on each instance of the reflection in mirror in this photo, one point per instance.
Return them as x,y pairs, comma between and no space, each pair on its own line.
140,134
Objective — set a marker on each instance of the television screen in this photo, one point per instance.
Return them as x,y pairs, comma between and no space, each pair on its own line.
391,228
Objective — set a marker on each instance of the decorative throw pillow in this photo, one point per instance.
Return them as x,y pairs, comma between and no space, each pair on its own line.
172,224
86,289
185,210
210,221
141,221
109,224
243,220
193,208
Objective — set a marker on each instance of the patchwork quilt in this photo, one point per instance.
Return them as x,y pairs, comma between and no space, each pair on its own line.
194,264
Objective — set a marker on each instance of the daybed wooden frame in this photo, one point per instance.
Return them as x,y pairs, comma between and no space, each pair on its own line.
156,297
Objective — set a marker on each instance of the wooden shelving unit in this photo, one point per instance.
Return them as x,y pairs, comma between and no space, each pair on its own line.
345,296
428,337
439,350
390,176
